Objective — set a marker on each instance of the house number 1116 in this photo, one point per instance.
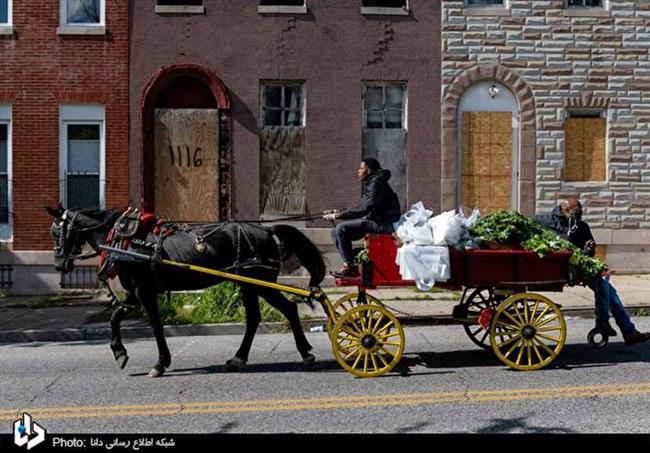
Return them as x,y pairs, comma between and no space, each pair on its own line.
180,156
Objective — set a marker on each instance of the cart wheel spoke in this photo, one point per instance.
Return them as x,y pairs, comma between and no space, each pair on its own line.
546,321
549,329
546,337
349,356
536,320
514,346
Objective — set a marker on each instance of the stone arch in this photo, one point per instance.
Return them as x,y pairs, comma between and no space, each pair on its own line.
449,158
157,85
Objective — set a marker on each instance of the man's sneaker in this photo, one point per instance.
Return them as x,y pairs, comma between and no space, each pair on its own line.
347,272
635,337
606,329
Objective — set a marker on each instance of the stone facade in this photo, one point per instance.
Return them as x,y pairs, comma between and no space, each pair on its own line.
568,59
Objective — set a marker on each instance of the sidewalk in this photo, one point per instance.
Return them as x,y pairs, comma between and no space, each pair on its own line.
32,319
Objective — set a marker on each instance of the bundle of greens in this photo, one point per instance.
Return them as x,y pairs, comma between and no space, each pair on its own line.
510,227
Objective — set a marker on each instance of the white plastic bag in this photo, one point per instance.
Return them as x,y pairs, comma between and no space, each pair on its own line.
424,264
414,227
447,228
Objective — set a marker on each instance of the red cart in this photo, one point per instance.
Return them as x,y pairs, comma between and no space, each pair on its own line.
498,308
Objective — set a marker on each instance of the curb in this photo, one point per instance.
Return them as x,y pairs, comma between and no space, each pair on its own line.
104,333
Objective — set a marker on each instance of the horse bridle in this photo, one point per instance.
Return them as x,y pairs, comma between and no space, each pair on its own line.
66,227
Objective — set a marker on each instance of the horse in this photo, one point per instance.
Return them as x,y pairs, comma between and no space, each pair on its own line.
247,248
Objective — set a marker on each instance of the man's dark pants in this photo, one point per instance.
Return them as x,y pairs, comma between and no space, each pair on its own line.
351,230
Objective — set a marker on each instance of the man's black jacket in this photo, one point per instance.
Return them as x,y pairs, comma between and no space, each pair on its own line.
379,202
559,223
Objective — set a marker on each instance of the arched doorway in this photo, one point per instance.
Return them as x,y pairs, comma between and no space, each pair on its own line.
488,148
508,83
186,149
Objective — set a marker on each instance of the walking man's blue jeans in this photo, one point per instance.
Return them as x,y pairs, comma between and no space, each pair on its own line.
607,301
351,230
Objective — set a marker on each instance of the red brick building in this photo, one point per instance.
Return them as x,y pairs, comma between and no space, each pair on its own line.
63,122
298,92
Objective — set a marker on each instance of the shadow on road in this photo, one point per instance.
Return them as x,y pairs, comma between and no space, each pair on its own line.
519,425
572,356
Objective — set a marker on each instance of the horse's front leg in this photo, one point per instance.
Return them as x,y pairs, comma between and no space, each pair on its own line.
119,351
253,318
150,302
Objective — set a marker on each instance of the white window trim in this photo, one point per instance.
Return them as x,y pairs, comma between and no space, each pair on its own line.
179,9
384,83
303,106
9,22
487,10
81,114
66,28
282,9
391,11
5,118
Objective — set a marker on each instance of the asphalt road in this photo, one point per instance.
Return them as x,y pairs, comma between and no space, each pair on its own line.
444,384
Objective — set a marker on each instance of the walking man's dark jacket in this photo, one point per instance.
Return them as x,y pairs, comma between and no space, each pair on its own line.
379,202
559,223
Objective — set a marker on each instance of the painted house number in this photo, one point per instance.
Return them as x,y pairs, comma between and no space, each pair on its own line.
185,157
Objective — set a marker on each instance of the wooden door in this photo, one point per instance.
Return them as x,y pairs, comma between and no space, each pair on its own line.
486,161
187,164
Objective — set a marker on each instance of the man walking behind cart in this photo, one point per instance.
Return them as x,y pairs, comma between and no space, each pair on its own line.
566,221
378,210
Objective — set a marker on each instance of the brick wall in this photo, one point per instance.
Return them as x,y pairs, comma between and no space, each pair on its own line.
571,62
333,48
39,70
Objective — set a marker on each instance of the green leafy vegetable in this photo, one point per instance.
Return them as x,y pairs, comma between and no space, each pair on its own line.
513,228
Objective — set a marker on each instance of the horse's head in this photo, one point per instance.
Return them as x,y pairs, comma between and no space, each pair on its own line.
67,242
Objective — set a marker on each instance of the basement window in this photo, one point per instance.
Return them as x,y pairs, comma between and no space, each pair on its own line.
180,7
282,6
389,7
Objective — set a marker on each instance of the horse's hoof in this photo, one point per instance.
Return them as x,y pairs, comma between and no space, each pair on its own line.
156,372
309,360
121,361
235,364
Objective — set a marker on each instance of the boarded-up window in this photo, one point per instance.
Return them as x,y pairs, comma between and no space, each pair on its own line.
585,138
282,148
384,130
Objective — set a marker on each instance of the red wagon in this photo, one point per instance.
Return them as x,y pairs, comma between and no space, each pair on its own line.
498,309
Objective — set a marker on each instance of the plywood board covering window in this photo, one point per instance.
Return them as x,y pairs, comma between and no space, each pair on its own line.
187,164
486,168
585,148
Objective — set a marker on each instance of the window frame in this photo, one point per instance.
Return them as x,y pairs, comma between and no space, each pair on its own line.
89,114
283,84
587,11
9,22
282,9
387,10
66,28
603,6
487,10
384,84
587,113
179,9
6,118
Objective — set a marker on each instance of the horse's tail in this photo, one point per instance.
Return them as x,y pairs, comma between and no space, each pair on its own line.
296,243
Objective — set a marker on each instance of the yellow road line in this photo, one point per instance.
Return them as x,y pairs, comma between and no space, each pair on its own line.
329,403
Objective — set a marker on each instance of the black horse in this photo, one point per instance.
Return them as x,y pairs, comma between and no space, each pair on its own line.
246,248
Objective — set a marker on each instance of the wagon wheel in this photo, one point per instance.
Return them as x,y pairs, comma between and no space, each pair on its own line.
478,300
528,331
346,303
368,341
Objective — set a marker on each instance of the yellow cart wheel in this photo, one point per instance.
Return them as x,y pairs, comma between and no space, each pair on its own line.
346,303
528,331
368,341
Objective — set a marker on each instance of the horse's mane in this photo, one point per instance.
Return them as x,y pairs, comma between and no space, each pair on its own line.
100,214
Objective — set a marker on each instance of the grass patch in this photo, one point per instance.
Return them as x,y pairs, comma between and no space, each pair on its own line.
218,304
